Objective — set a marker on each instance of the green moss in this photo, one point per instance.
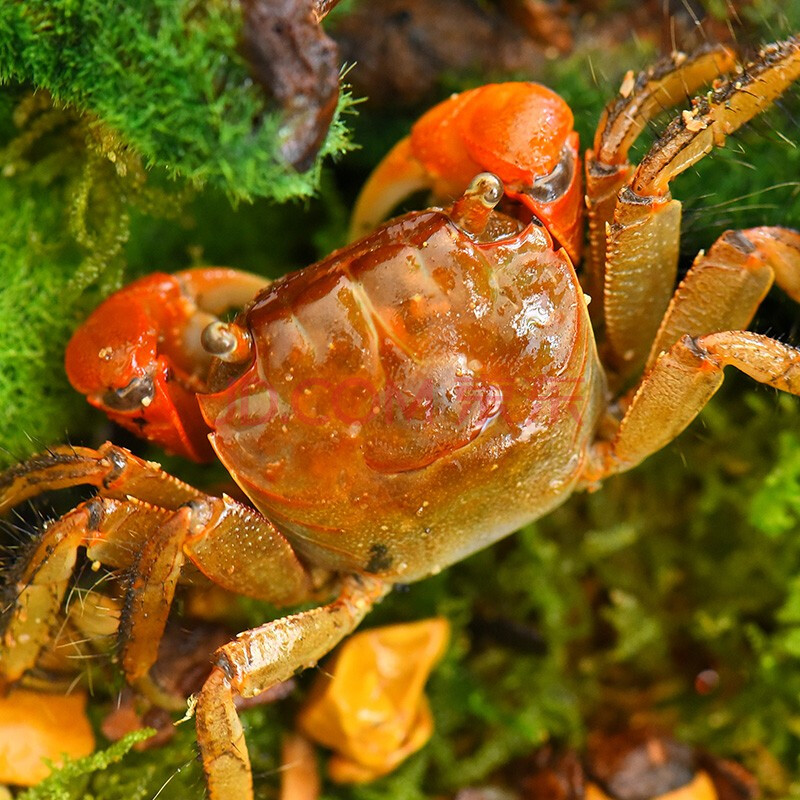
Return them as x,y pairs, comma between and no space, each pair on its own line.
37,263
775,509
68,782
165,76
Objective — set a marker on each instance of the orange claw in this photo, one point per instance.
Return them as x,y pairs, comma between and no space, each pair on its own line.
522,132
139,359
369,706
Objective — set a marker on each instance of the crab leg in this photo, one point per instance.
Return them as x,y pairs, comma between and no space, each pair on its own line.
725,286
113,469
41,588
151,591
642,242
681,382
656,89
209,533
154,541
258,659
112,528
44,580
721,291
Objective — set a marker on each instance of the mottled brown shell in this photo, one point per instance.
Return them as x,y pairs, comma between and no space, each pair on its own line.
413,397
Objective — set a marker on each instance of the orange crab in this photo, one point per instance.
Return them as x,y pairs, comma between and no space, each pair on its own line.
420,393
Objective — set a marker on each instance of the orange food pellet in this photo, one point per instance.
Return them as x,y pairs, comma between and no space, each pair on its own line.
35,726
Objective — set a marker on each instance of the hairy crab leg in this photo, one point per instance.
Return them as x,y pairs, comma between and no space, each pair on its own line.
209,532
258,659
725,286
151,590
656,89
40,591
120,530
112,469
722,291
642,245
85,628
113,529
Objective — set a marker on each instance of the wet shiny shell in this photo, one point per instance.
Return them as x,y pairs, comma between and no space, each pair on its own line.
413,397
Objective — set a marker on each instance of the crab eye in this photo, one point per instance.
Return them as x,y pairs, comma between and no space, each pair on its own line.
227,341
551,186
139,393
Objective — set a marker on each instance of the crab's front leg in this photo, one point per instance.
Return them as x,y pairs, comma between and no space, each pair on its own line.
259,659
141,356
642,241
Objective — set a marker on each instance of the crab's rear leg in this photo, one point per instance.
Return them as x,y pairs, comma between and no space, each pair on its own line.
656,89
681,382
642,242
114,470
114,529
695,342
725,286
258,659
42,581
150,540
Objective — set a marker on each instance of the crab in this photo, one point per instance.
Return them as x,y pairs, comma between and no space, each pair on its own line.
418,394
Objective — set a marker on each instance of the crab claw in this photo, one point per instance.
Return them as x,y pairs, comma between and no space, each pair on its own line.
521,132
140,359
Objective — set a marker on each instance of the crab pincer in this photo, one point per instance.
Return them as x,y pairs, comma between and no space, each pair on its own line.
520,132
141,358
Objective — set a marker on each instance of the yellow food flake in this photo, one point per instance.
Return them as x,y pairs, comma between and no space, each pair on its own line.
369,705
628,82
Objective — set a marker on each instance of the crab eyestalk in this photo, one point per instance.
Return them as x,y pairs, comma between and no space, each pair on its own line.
471,211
